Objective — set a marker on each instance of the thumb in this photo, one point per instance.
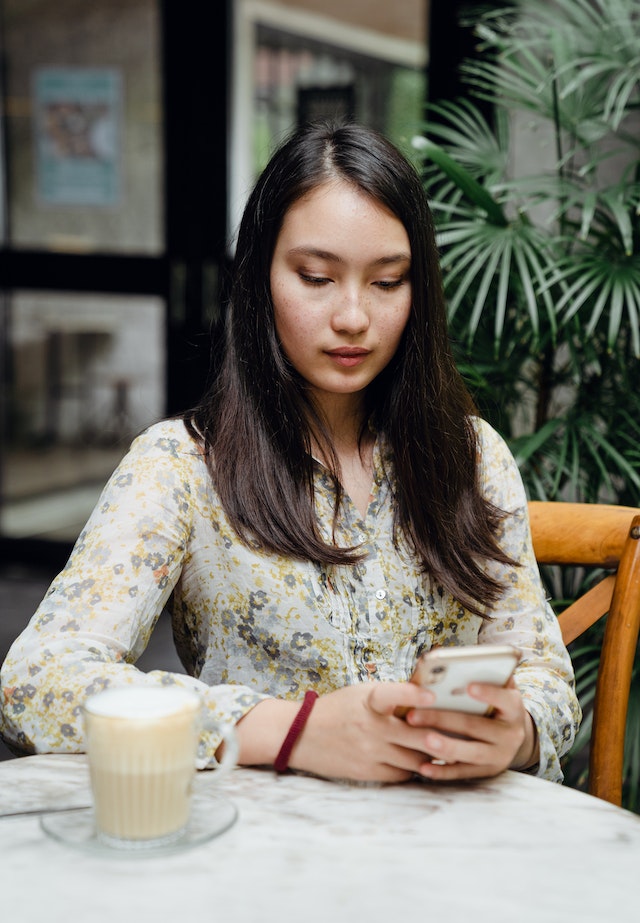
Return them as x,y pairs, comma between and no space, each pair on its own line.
398,698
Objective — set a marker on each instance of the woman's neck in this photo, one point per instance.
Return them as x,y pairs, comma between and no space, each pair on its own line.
349,447
343,416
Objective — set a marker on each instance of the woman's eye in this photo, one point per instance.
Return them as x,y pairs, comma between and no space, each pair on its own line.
389,283
313,280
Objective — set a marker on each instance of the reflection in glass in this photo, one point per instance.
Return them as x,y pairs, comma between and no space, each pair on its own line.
298,79
84,375
83,125
294,62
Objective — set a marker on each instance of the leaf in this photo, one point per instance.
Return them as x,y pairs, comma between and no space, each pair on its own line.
632,295
489,265
525,447
620,211
463,179
529,293
615,312
622,464
503,288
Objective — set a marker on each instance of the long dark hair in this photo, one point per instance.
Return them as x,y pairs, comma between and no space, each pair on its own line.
254,421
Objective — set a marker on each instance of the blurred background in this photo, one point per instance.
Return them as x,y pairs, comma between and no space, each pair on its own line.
131,132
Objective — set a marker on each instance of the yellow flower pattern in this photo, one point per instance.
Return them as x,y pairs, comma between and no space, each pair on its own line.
250,625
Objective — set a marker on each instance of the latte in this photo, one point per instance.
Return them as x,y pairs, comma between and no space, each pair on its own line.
141,744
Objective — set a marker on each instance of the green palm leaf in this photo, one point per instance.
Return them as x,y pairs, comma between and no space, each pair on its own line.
541,260
463,180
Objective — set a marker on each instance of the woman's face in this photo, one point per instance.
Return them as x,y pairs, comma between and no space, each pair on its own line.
340,283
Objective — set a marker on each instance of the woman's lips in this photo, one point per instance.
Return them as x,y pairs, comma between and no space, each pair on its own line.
348,356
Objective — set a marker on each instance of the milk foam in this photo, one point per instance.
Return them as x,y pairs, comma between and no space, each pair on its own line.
142,702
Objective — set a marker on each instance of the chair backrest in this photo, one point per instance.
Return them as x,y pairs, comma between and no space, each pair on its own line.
594,534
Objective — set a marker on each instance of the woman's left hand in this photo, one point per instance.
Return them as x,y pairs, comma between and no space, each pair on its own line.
483,746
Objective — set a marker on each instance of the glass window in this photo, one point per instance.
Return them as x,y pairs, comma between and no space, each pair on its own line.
298,79
83,126
83,375
294,62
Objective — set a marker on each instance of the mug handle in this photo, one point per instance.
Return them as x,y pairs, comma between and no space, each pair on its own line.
230,754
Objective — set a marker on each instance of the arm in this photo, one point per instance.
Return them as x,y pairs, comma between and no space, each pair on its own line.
100,611
352,733
98,615
536,719
523,617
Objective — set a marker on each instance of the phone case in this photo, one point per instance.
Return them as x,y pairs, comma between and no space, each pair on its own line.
448,671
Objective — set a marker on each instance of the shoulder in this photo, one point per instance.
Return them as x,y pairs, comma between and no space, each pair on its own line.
162,462
490,442
162,453
499,476
167,438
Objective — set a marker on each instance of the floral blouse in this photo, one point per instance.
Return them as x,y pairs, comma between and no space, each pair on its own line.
250,625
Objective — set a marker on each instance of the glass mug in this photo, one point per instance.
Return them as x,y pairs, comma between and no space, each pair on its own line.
142,744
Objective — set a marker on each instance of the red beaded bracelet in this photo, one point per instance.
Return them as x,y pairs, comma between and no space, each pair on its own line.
282,759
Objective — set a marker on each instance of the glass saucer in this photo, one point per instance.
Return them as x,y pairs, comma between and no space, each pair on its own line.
210,816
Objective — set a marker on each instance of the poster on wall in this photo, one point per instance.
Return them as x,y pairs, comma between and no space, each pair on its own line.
77,131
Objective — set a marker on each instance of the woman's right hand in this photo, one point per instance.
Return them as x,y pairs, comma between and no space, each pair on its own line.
351,733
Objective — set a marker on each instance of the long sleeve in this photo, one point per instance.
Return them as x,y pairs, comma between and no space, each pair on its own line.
524,618
98,614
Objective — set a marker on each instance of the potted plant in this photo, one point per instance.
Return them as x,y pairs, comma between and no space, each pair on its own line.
537,211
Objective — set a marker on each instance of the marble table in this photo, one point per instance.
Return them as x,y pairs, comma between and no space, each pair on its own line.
514,848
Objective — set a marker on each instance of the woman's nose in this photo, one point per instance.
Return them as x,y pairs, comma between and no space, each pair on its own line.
350,314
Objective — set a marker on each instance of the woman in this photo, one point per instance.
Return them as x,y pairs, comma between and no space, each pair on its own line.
331,509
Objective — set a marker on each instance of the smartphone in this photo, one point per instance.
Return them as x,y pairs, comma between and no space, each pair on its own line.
447,671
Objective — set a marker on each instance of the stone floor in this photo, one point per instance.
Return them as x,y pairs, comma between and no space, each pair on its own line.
22,588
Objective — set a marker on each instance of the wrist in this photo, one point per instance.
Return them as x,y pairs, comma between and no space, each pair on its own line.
262,730
528,754
281,762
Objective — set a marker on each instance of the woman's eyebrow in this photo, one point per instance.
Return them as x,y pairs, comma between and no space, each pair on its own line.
401,257
315,251
393,258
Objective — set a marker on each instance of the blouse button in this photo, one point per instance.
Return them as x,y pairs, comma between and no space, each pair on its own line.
362,538
380,594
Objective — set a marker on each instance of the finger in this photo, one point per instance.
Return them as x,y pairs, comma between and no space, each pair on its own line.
390,698
494,745
397,748
395,757
387,773
455,723
504,699
455,748
406,759
439,771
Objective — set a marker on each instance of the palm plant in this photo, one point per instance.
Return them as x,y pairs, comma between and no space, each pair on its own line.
541,253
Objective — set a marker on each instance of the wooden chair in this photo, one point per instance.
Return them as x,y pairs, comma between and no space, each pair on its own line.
593,534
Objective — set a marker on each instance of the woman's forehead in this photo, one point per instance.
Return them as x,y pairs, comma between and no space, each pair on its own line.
334,213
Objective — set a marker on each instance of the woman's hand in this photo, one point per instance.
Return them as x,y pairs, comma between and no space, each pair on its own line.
353,733
481,746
